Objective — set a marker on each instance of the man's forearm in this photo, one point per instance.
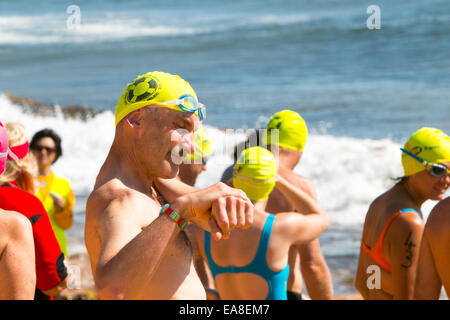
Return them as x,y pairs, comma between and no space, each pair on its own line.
57,289
171,189
315,271
318,281
131,269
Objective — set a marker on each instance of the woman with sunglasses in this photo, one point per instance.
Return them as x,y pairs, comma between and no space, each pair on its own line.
54,191
394,225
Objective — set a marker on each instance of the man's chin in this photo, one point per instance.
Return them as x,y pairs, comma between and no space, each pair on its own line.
170,172
438,196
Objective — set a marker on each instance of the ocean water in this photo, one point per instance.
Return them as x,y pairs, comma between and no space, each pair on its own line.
362,92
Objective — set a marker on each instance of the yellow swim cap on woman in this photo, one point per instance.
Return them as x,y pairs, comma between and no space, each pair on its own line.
202,146
254,173
429,144
153,88
292,130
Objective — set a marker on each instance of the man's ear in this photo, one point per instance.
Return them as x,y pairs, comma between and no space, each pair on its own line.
134,119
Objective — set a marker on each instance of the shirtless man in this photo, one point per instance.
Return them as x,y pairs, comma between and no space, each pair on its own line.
432,270
17,272
137,250
306,258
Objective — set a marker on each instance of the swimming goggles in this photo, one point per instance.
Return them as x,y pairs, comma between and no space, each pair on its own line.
436,170
189,104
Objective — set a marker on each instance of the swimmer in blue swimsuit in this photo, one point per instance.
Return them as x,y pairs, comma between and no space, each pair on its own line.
252,263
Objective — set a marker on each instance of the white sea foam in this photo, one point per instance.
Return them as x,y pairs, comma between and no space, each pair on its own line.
84,144
348,173
52,28
277,20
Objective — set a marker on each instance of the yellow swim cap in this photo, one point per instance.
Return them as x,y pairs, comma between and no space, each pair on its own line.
154,88
429,144
202,146
292,130
254,173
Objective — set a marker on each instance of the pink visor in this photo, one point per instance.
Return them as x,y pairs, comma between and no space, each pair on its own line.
3,147
18,152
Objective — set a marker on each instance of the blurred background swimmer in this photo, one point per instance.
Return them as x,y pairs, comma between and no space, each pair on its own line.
195,162
189,170
253,263
306,261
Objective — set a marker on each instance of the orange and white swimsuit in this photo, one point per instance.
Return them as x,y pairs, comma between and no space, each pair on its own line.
376,253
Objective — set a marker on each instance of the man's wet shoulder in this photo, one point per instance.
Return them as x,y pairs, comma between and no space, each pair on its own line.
300,181
114,194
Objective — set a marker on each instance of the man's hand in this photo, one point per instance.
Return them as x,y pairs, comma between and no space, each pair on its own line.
217,209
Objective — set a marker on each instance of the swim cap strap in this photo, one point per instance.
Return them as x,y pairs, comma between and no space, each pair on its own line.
412,155
240,176
166,209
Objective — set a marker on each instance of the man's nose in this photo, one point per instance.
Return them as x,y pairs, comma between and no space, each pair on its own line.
447,179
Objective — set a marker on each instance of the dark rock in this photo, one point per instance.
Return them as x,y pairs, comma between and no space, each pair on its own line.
34,107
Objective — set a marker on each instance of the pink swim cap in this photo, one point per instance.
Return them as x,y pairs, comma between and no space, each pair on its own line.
3,147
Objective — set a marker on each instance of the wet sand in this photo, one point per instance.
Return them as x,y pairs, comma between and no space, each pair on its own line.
86,289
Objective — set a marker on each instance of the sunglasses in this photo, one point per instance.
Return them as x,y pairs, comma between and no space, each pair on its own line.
435,169
40,148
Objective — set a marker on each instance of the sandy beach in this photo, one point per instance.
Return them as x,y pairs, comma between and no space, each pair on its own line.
84,289
87,291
